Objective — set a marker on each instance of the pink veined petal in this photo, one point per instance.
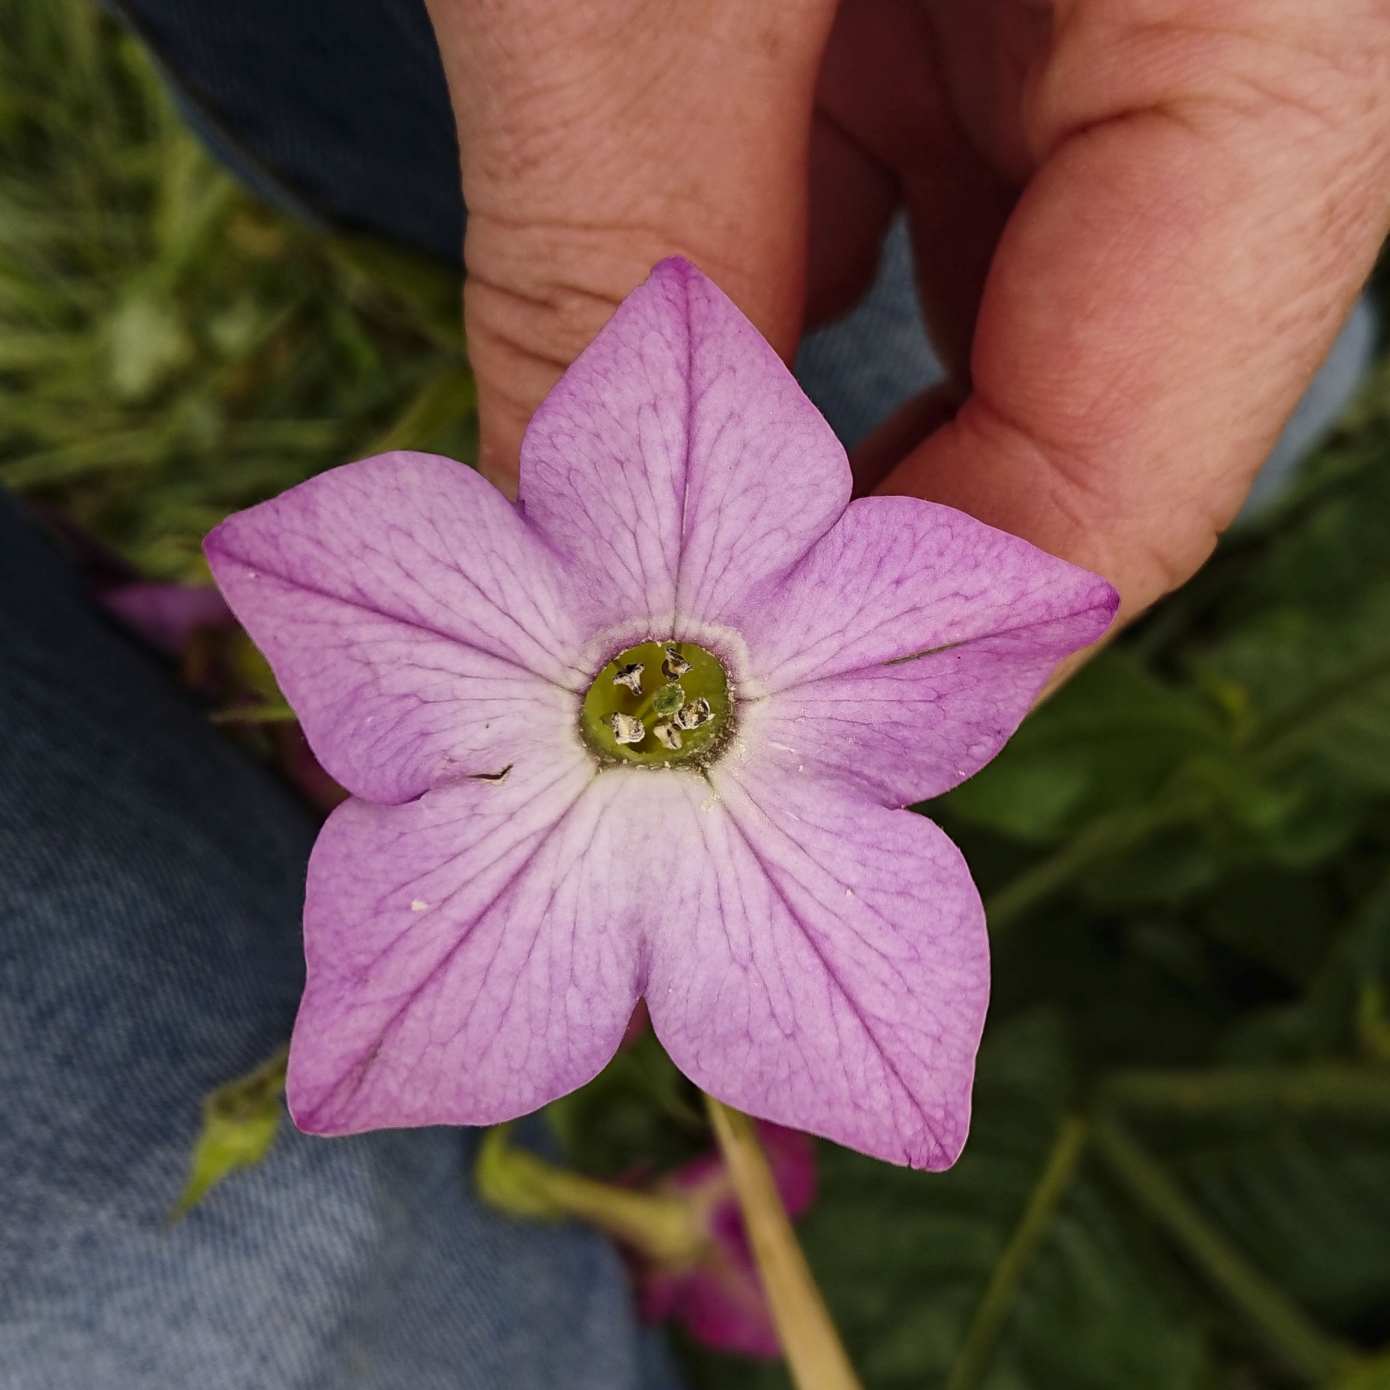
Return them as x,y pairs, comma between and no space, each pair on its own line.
471,955
418,629
905,650
906,732
822,963
896,577
677,464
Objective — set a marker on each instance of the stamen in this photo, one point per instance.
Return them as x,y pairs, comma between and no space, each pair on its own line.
658,704
692,715
626,729
630,676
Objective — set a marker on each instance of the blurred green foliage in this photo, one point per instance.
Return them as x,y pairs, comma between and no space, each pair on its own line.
1179,1173
169,349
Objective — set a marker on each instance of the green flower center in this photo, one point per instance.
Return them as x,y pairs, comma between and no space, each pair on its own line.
656,704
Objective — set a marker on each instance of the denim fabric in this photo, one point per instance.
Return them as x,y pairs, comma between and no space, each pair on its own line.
151,879
860,369
334,108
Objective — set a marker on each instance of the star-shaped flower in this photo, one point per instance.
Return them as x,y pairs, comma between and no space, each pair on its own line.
539,833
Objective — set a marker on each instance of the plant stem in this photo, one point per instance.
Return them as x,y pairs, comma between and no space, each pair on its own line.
977,1351
1110,834
267,712
1297,1343
514,1180
1345,1089
814,1352
1289,732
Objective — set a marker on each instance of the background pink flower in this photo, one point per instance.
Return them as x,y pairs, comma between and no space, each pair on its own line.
719,1297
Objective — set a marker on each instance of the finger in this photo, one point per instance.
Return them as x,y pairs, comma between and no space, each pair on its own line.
853,197
597,139
1211,194
884,90
876,456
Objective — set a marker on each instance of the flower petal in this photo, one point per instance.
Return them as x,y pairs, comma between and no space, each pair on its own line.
904,733
417,628
822,962
472,955
677,463
896,577
987,616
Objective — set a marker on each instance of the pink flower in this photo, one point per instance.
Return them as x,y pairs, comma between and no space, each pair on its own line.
648,733
719,1296
167,615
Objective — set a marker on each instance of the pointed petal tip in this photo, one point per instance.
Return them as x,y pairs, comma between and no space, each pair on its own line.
218,547
1100,600
1107,598
677,270
686,284
939,1151
929,1151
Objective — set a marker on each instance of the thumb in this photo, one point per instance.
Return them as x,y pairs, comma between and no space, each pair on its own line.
597,139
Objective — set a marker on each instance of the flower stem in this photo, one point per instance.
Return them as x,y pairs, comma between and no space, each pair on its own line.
1303,1090
514,1180
1111,834
814,1352
1300,1346
977,1351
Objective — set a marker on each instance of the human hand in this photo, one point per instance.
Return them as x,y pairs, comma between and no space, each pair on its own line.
1139,225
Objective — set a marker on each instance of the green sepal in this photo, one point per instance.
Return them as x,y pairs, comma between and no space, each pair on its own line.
512,1180
667,1227
240,1121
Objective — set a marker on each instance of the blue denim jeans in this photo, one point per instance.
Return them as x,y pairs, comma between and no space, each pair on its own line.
151,880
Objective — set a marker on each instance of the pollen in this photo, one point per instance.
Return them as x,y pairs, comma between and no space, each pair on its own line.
626,729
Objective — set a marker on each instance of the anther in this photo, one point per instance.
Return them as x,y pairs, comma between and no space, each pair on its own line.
675,665
626,729
692,715
667,736
630,676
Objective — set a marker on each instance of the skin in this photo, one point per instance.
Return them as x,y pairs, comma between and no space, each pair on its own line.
1140,223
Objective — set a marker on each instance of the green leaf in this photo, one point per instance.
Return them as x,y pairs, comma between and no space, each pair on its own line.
1113,736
